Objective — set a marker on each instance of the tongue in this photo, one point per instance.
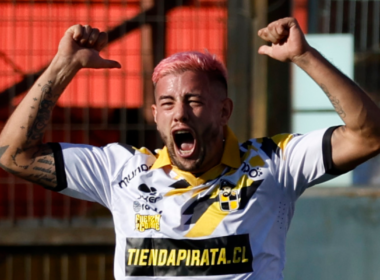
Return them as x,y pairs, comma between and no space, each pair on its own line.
186,146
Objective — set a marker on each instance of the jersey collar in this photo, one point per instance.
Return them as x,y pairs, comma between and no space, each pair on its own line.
231,156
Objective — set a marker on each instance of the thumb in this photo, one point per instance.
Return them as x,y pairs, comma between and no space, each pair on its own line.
110,64
267,50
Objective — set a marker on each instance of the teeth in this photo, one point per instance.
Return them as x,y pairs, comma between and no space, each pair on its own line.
181,132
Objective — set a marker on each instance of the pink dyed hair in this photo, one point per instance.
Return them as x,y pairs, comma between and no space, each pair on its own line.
194,61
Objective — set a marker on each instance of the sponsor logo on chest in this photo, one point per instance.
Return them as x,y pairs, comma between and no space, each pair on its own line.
188,257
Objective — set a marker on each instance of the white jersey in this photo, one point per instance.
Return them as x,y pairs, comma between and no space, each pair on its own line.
229,223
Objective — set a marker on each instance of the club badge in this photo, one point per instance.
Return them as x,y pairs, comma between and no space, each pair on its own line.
228,197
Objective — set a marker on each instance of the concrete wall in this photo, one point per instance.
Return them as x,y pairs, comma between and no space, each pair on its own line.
335,234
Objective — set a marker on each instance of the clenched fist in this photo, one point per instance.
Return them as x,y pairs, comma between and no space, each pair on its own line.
81,46
288,41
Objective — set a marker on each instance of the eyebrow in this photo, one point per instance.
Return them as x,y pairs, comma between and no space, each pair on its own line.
165,97
187,95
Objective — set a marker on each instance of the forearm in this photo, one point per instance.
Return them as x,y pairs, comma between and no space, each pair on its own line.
357,110
21,138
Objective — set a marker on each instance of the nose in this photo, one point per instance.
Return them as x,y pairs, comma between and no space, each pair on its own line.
180,113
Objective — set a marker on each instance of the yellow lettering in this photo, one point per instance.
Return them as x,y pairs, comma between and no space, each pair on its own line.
213,253
143,256
138,222
195,257
244,259
205,258
162,257
171,258
158,218
181,256
130,257
188,257
137,257
153,257
144,222
148,222
236,259
222,256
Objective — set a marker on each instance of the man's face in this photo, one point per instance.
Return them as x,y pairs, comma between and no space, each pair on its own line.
190,113
226,191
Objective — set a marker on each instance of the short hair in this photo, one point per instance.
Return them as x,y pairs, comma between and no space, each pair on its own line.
193,61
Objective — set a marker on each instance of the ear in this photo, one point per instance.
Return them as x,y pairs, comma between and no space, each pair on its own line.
154,112
227,107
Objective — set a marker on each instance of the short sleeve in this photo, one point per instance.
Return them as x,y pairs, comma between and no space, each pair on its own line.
306,160
85,172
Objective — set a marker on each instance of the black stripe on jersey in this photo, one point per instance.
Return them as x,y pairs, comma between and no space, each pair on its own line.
198,208
270,147
188,257
59,167
327,152
129,148
246,144
242,153
181,184
246,193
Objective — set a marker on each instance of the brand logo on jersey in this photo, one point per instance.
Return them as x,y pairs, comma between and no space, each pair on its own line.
228,197
145,222
252,172
136,206
127,179
149,194
188,257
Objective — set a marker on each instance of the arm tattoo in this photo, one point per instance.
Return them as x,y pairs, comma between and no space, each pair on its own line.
334,101
42,166
43,179
44,170
41,121
38,164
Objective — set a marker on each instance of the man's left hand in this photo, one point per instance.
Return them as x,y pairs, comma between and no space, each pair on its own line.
287,38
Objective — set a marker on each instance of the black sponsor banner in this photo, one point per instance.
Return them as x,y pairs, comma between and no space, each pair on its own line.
188,257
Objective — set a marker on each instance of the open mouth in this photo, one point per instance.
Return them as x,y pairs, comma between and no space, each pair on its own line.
184,141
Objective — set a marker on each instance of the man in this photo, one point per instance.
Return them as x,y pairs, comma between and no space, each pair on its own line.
167,208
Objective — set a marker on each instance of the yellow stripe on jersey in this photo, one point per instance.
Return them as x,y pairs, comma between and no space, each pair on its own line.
282,140
143,150
244,182
184,190
256,161
208,222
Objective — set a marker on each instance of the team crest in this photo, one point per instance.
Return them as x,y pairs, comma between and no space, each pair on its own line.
228,197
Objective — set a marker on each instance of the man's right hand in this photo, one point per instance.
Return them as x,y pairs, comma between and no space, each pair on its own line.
22,151
80,46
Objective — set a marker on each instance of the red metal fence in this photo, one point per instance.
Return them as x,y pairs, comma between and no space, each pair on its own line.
99,106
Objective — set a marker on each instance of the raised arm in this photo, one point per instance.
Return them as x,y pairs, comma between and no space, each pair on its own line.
22,151
359,139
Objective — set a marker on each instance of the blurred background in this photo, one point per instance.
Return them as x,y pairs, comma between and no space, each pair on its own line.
43,235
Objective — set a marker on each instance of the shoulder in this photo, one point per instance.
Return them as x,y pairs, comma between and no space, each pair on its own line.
124,152
269,145
125,149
